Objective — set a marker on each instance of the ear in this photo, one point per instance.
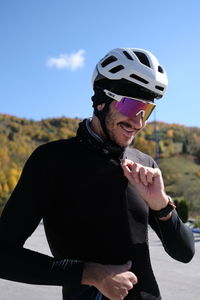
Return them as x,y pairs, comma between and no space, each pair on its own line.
100,106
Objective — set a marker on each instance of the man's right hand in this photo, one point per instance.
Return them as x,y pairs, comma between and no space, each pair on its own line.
113,281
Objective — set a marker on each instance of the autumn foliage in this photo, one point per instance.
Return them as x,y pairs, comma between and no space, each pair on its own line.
20,136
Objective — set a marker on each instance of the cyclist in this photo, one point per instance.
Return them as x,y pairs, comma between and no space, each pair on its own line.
96,195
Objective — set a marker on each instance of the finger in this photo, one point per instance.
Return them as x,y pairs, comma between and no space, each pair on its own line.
121,297
124,291
147,174
127,162
133,279
129,285
127,173
126,169
149,177
143,176
156,172
135,170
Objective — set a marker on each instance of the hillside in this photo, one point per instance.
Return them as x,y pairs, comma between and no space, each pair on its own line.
175,147
182,179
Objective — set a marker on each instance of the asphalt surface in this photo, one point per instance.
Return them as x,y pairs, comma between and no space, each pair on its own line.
177,281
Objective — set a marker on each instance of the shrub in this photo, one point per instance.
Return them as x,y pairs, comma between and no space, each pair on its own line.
197,222
182,208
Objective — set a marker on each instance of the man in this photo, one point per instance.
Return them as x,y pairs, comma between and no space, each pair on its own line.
97,196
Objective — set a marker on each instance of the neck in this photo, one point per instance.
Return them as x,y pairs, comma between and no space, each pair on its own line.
96,127
91,134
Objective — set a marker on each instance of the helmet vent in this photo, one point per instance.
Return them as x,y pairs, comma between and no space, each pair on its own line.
127,55
159,88
142,58
139,78
108,61
117,69
160,69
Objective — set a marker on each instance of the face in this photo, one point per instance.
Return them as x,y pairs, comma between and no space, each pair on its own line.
121,128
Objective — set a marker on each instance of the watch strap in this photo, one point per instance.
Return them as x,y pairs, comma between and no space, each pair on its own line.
166,210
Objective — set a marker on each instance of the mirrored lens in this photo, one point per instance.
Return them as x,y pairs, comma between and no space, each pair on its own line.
132,108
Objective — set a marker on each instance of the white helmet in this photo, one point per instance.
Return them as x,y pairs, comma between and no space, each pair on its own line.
135,65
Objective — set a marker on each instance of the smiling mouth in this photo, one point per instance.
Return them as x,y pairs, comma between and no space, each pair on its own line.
127,129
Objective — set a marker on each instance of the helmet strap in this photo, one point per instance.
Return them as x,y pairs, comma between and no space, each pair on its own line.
101,115
98,98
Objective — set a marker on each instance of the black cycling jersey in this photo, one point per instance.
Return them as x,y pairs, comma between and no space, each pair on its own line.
90,213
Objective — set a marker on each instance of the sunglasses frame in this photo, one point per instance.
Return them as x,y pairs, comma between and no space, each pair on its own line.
118,98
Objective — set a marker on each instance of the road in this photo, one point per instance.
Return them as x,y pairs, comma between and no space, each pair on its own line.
177,281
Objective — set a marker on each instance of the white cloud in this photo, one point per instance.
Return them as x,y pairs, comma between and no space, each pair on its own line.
71,61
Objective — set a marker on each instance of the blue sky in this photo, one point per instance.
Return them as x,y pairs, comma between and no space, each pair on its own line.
49,49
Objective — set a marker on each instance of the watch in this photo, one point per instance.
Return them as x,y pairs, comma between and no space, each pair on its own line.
166,210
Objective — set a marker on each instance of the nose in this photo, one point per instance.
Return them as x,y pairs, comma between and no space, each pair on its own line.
138,121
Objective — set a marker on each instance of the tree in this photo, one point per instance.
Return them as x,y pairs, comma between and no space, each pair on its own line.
182,208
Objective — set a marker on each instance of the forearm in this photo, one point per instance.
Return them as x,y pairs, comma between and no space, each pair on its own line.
23,265
176,237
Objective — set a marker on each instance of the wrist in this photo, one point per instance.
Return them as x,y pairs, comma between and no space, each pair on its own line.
90,273
86,275
165,212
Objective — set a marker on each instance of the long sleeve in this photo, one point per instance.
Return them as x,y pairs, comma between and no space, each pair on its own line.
176,237
20,217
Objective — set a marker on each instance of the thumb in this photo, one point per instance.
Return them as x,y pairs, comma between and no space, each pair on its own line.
127,266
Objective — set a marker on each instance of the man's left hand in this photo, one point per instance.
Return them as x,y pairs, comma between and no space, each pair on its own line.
148,183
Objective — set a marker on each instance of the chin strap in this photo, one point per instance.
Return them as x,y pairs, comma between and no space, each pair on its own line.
101,115
99,98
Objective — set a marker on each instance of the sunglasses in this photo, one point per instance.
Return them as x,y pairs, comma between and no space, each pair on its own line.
132,107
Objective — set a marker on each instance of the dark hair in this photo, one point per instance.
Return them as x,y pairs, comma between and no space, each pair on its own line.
120,87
